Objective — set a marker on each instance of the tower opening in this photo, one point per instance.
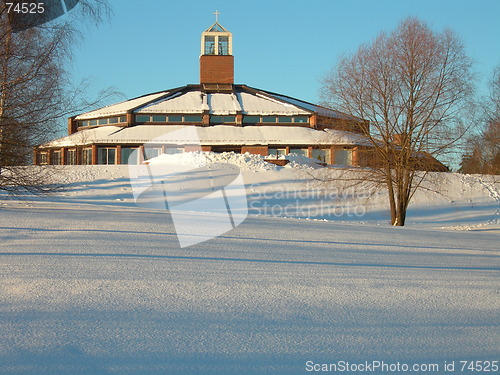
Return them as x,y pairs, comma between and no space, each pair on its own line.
216,60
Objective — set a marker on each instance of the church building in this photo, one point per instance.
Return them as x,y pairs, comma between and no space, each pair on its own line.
227,116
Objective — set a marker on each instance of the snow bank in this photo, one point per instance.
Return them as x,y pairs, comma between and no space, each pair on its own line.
299,161
449,200
246,161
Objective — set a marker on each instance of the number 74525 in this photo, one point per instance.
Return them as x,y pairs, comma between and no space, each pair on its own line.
24,8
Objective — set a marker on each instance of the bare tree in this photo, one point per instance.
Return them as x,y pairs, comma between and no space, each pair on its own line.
35,90
483,152
411,85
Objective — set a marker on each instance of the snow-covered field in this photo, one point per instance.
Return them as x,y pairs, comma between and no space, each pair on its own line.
92,284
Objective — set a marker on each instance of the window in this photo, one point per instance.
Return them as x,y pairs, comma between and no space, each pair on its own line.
159,118
223,45
56,158
129,155
209,45
181,118
106,155
284,119
216,119
321,155
276,152
222,119
216,27
300,119
343,157
42,158
103,121
268,119
251,119
299,151
216,44
192,118
272,119
229,119
174,118
151,152
171,150
142,118
71,157
87,156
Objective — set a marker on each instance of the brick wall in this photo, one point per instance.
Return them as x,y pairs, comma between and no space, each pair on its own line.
72,125
257,150
216,69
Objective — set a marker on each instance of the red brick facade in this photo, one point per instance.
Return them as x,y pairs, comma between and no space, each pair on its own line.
257,150
72,125
216,69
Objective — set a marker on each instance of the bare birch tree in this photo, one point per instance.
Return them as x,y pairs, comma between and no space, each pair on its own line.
35,90
412,86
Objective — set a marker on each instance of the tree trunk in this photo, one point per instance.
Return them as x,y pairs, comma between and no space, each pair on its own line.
400,214
392,198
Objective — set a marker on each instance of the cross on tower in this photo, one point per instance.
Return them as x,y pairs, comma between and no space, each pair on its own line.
216,15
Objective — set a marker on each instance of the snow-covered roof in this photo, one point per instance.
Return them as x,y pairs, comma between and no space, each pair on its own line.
227,103
188,102
120,108
212,135
322,111
223,104
193,99
259,104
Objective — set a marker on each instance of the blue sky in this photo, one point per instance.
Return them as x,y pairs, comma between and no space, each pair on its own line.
281,46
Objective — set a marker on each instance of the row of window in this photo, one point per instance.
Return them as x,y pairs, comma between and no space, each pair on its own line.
198,119
169,118
341,157
216,119
322,155
107,155
103,121
130,155
275,119
56,159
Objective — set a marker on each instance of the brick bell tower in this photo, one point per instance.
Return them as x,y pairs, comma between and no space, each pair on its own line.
216,60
